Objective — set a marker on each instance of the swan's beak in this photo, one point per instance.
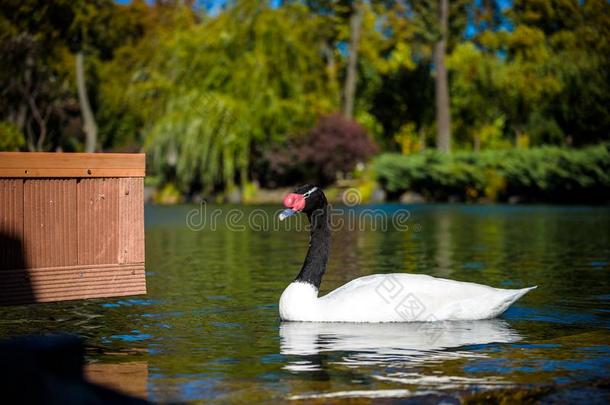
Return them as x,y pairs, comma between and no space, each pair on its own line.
286,213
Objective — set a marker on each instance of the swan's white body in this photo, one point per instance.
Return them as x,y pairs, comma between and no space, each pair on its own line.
396,298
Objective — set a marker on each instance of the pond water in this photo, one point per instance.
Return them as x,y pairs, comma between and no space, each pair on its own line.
209,328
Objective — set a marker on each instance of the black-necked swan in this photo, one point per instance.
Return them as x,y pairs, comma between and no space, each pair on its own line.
394,297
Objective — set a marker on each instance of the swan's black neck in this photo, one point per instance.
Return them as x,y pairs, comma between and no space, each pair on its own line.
319,246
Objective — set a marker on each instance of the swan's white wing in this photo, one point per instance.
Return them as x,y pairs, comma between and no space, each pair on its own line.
413,297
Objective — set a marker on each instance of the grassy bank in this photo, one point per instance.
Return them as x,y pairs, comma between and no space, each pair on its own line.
546,174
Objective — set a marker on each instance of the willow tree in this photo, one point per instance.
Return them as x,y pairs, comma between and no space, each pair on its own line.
247,76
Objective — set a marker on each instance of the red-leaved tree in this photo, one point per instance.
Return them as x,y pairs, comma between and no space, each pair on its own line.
334,146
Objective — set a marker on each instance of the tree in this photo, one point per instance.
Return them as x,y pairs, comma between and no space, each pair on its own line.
43,46
443,118
349,89
407,92
479,120
89,125
334,147
575,42
97,30
218,88
35,94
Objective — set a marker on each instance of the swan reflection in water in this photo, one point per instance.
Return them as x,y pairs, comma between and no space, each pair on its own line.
388,344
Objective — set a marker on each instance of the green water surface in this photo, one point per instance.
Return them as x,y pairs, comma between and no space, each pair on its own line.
208,329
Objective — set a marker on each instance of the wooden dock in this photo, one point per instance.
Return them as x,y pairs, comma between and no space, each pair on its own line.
71,226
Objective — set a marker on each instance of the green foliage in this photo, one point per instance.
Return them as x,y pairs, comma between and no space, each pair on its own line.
11,138
249,75
168,194
37,40
538,174
550,68
486,88
209,98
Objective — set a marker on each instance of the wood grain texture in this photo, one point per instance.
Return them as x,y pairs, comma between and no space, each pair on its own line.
11,224
49,232
64,236
42,164
131,220
98,221
70,173
20,286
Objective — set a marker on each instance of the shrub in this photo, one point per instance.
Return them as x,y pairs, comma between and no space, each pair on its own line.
549,174
334,146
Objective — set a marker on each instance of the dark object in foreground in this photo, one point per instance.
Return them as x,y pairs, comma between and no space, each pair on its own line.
49,370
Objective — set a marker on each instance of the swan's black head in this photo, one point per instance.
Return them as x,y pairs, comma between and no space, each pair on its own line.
312,201
306,198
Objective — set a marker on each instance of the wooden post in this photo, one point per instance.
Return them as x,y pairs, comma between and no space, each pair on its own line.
71,226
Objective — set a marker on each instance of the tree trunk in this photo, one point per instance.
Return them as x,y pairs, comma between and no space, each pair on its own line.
330,58
89,125
351,77
443,118
41,121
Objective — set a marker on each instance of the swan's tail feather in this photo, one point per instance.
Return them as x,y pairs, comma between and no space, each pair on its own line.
520,293
511,297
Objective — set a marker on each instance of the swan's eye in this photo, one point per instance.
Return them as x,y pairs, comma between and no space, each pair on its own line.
310,192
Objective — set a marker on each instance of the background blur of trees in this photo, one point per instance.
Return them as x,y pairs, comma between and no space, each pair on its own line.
223,93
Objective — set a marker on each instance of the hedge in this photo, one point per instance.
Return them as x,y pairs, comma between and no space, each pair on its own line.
545,174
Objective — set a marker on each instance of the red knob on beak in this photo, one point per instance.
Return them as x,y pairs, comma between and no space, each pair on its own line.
294,201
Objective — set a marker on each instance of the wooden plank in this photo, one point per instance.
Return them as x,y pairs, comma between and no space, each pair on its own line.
71,238
98,221
11,224
78,291
75,288
49,210
89,294
72,173
42,164
70,269
131,220
75,282
40,278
